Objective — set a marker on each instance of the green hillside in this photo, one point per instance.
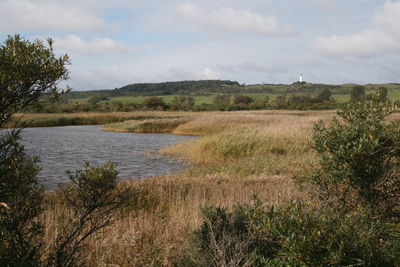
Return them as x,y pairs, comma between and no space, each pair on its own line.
210,95
211,87
203,87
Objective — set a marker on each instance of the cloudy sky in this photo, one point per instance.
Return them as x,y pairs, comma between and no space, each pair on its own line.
113,43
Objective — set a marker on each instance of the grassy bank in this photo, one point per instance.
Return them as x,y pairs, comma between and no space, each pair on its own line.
85,118
239,154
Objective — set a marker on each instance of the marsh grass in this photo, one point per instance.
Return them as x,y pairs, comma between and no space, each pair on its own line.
86,118
217,122
251,144
157,125
157,232
239,155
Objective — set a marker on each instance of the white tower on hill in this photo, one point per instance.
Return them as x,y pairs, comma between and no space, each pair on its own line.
301,78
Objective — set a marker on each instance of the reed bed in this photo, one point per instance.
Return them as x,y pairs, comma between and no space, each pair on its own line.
159,125
240,154
218,122
87,118
159,232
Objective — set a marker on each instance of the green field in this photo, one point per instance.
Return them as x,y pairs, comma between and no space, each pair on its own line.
394,94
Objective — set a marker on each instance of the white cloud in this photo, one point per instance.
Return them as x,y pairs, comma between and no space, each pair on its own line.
207,74
109,77
231,20
24,15
97,46
251,67
382,37
101,77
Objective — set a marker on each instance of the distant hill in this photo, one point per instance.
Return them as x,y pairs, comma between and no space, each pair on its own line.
208,87
171,88
202,87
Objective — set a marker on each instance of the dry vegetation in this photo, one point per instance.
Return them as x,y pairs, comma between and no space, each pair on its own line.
160,125
85,118
240,154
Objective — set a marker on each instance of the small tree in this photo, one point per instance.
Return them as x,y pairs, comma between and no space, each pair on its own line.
324,95
359,158
116,105
222,101
21,196
28,70
154,103
90,202
242,101
357,93
280,102
182,103
383,93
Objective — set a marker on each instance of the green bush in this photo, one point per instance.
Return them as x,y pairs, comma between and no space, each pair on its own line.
154,103
291,235
22,201
28,70
359,159
357,93
91,202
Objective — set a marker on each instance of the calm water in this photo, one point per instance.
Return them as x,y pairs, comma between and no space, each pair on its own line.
67,148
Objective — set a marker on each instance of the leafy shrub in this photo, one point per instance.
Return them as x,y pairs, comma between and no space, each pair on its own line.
91,202
222,102
22,202
291,235
359,159
242,101
154,103
357,93
182,103
28,70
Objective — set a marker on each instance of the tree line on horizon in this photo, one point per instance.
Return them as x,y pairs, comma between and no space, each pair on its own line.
221,102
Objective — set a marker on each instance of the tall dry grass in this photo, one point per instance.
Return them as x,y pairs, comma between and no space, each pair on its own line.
240,154
160,125
87,118
216,122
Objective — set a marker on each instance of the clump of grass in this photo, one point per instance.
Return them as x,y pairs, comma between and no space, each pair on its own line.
259,137
146,126
216,122
251,144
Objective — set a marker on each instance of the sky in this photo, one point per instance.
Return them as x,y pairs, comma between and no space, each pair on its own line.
118,42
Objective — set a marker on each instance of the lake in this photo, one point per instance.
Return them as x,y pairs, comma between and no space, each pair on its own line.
67,148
